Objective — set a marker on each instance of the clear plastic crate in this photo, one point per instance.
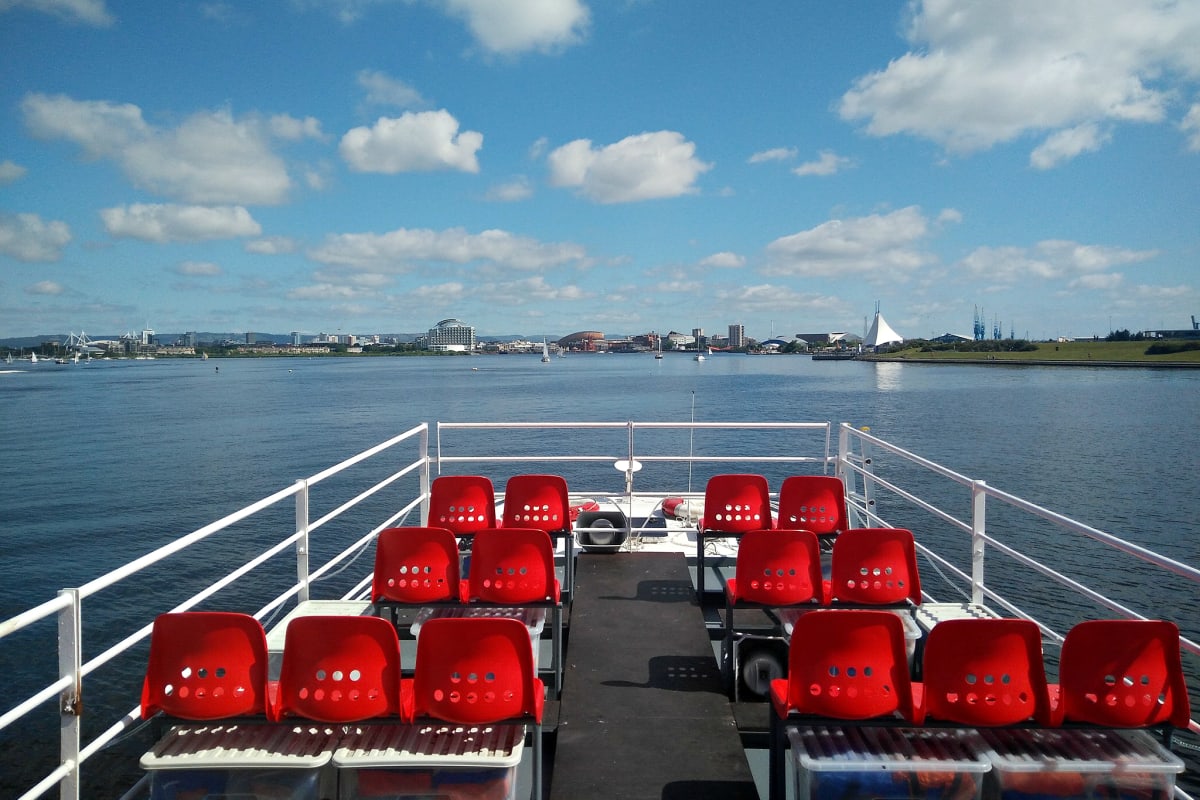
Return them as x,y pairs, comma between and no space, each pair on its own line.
871,763
1079,762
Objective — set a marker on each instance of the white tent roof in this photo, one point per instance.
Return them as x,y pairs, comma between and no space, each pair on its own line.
881,333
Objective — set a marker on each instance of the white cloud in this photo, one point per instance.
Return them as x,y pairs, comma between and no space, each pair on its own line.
884,244
285,126
980,74
1052,260
513,191
1098,282
642,167
85,12
1066,144
10,172
29,238
397,250
1191,127
175,223
271,245
209,158
723,260
827,163
509,27
774,154
198,269
384,90
414,142
770,297
45,287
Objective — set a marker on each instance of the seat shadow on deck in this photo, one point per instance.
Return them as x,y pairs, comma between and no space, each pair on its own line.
643,713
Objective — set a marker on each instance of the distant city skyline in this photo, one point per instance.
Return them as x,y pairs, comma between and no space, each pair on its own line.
554,165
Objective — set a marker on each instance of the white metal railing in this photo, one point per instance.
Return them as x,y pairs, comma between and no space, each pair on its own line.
67,607
858,455
804,446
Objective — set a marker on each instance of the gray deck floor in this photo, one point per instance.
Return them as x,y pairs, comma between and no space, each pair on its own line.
643,714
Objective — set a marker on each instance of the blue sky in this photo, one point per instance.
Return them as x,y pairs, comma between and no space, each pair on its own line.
548,166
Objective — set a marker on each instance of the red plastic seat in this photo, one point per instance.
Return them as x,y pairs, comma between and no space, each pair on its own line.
985,672
777,568
416,566
478,671
537,501
846,664
814,503
462,504
475,671
1123,673
542,502
513,566
842,664
206,665
339,669
874,566
774,569
733,505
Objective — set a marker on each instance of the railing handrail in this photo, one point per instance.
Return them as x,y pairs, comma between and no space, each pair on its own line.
67,606
852,459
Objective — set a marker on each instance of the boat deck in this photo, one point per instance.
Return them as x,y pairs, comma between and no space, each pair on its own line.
643,714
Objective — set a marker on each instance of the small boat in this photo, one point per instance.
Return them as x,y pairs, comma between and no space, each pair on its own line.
545,352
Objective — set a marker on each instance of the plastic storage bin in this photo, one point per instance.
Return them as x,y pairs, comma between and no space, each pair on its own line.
442,784
240,784
867,763
1029,764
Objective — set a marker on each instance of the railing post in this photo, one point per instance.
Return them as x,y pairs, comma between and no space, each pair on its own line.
426,484
302,542
978,529
70,703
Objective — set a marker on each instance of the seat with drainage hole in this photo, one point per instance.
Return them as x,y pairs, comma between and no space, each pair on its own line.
814,503
478,671
1122,673
416,566
842,664
774,569
542,502
733,505
874,567
340,669
515,567
463,504
985,672
206,665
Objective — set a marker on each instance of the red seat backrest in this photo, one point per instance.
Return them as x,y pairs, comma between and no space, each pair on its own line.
777,568
875,566
846,664
985,672
206,665
513,566
462,503
814,503
339,669
475,670
537,501
416,565
1123,673
736,503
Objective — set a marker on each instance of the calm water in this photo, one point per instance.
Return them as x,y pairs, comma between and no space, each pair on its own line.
103,462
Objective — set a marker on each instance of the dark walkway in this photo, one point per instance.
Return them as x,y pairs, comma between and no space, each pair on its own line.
642,712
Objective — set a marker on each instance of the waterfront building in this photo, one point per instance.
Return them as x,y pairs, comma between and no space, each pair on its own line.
737,336
452,335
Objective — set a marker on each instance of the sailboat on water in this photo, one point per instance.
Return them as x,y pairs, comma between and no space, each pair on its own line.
658,352
545,351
